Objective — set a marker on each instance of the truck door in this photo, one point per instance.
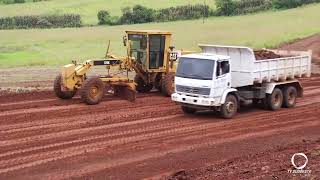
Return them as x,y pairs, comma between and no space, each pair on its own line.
223,78
156,51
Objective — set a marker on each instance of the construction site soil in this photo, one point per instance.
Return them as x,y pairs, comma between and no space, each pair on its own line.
43,137
305,44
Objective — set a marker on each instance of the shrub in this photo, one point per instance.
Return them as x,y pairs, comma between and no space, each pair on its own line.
39,0
279,4
183,12
236,7
12,1
53,21
138,14
285,4
103,17
225,7
19,1
250,6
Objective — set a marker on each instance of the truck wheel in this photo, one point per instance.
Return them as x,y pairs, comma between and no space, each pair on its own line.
92,90
188,110
289,96
58,89
167,85
230,107
275,99
142,87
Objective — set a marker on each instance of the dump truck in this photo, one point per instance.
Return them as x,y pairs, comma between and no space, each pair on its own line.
149,54
220,78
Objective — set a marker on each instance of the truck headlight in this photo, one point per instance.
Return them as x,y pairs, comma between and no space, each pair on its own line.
174,97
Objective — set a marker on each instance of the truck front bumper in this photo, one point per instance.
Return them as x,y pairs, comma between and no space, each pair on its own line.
197,101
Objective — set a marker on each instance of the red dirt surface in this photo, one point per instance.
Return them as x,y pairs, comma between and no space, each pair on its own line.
42,137
304,44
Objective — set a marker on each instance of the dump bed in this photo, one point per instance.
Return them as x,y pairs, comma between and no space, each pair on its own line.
247,70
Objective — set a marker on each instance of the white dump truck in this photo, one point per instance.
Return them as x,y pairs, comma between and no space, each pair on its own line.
221,77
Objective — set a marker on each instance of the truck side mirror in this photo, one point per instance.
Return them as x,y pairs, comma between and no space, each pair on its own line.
124,38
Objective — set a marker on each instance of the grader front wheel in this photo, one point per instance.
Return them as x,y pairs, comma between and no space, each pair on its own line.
59,89
167,85
92,90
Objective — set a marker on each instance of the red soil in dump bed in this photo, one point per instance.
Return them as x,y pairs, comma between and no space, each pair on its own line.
265,54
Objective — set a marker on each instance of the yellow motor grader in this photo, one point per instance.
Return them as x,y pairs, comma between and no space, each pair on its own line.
149,54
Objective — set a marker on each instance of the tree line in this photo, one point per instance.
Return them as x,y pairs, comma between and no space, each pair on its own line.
141,14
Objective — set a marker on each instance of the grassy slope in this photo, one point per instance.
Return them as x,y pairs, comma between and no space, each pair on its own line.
59,46
87,8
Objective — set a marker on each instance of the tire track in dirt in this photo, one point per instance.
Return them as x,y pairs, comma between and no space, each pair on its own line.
69,132
99,119
146,156
17,116
144,127
192,129
93,148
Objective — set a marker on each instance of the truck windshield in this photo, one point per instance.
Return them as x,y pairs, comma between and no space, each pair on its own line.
195,68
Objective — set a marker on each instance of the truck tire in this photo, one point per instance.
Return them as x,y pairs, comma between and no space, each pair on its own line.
58,89
167,85
92,90
230,107
188,110
142,87
275,100
289,96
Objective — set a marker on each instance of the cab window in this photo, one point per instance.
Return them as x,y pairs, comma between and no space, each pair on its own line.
223,67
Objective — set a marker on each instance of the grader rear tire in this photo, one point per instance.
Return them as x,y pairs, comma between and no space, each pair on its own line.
92,90
142,87
58,89
167,85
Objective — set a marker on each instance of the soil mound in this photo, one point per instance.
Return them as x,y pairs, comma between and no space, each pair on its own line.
304,44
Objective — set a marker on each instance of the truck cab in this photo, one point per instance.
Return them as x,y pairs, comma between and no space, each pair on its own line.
201,81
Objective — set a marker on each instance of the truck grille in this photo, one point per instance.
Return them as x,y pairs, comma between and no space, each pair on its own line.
193,90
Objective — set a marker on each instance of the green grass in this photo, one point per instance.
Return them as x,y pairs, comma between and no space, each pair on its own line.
60,46
88,9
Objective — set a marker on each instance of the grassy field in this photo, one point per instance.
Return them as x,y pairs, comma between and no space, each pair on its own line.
59,46
88,9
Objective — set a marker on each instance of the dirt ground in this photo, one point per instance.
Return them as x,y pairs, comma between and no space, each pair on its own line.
309,43
42,137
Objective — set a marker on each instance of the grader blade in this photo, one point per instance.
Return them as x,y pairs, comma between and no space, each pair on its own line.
126,92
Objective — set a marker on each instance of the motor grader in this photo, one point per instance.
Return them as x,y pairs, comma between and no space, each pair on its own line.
149,54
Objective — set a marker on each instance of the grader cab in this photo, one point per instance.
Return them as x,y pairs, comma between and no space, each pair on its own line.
149,54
